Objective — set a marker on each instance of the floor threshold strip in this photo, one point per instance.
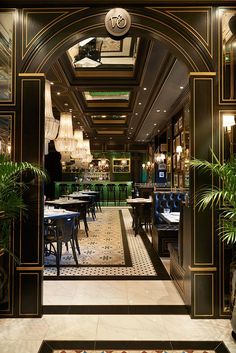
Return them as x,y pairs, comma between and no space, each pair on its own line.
134,346
115,309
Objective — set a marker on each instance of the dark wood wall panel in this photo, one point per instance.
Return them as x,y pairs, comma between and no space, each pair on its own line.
29,283
28,237
203,255
203,294
201,143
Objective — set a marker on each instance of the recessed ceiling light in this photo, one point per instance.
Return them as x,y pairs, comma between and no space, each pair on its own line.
155,124
128,138
58,93
139,103
164,111
181,87
144,88
136,113
66,104
51,83
158,110
74,116
131,128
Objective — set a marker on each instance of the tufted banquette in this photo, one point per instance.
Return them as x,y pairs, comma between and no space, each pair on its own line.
163,233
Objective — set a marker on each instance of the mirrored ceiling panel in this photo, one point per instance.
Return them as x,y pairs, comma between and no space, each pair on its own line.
109,119
106,99
104,52
106,95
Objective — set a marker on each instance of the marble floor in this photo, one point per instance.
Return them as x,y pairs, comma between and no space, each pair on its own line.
111,293
26,335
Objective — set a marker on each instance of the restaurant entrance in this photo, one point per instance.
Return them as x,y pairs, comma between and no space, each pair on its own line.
54,32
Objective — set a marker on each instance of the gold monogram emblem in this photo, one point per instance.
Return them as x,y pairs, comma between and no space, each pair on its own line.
117,22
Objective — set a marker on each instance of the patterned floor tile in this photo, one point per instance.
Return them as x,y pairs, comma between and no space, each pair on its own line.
142,263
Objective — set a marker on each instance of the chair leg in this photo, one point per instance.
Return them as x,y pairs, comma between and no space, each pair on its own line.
58,257
73,251
86,228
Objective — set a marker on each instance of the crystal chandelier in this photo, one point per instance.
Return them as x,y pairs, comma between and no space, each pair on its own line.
78,136
51,124
159,157
87,156
81,154
65,142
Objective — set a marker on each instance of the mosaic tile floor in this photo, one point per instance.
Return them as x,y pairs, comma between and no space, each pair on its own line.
105,245
143,264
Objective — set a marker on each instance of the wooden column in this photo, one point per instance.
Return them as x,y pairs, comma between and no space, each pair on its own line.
28,239
202,271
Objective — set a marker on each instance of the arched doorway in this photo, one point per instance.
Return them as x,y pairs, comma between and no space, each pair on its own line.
44,41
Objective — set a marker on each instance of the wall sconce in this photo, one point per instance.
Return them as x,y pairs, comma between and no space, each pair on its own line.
228,121
179,149
148,166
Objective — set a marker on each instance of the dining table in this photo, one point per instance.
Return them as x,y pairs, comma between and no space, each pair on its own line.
138,205
72,204
170,217
56,213
90,197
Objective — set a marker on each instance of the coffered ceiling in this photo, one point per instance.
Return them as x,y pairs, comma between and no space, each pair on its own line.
124,90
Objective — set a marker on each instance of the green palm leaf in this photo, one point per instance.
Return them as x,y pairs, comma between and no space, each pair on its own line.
12,187
223,198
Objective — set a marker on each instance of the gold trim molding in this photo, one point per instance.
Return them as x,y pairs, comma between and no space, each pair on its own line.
202,73
24,268
202,269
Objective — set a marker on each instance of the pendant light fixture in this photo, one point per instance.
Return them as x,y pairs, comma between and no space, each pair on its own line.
65,141
78,136
51,124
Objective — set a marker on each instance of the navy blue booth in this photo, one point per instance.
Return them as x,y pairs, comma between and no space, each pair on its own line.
163,233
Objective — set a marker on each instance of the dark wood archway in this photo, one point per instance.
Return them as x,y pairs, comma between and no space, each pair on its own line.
45,34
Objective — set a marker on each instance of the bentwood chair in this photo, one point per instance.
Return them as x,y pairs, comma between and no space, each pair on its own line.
100,189
123,192
61,231
111,193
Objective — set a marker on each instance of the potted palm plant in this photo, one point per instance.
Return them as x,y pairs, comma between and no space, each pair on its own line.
223,198
12,187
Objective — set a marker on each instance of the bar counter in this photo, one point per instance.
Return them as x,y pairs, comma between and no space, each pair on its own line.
67,187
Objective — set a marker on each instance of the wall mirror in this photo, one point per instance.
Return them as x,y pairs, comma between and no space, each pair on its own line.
6,55
228,42
121,165
5,134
